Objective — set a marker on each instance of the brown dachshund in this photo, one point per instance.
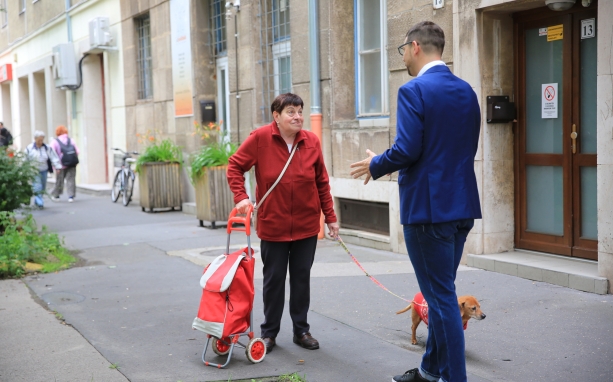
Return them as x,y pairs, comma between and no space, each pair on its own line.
469,308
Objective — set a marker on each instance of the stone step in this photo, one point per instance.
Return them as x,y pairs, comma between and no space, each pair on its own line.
568,272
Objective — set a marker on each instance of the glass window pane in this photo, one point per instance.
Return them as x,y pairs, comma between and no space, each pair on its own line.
543,66
545,199
285,75
370,83
589,205
280,19
369,24
587,134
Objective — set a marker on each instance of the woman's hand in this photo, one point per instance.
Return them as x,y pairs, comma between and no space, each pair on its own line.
243,206
333,229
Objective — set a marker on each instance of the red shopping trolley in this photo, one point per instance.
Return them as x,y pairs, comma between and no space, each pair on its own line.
226,306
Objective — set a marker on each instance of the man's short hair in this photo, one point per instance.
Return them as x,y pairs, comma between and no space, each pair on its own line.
430,37
39,133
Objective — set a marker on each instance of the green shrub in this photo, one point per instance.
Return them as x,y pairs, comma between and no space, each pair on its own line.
16,175
164,151
215,154
21,242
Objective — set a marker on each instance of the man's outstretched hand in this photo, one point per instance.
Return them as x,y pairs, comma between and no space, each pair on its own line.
363,167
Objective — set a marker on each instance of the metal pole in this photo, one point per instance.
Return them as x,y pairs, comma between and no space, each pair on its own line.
316,116
314,58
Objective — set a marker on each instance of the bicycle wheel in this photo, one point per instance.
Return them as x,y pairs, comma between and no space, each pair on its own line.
116,190
128,186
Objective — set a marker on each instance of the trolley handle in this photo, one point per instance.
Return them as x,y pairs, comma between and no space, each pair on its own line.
246,220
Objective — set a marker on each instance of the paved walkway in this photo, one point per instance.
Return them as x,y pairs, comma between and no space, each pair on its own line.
132,302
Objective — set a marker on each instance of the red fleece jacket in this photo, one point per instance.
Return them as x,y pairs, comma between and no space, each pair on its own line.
292,210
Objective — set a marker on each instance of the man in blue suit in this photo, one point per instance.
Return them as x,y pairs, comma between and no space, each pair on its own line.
437,136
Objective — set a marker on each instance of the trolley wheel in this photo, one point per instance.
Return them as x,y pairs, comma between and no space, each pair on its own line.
219,347
256,350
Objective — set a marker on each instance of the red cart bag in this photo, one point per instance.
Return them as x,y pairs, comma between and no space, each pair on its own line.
227,295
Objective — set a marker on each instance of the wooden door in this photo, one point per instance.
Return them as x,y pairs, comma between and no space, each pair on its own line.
555,138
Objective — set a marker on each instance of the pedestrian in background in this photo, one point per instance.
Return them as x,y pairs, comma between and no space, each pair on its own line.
438,127
6,139
288,219
45,159
68,152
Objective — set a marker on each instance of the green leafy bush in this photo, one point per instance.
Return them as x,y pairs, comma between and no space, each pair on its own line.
21,242
215,154
163,151
16,175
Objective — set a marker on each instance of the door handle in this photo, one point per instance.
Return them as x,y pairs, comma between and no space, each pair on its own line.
573,137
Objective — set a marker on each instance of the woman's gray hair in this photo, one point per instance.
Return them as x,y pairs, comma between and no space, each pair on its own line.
38,133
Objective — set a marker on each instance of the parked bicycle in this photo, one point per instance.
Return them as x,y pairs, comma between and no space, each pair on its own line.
124,179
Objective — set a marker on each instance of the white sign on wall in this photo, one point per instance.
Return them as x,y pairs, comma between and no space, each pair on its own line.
549,102
181,49
438,4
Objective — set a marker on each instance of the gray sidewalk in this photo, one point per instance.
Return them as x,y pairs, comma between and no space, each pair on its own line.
132,302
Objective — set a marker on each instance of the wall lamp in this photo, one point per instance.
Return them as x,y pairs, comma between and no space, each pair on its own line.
562,5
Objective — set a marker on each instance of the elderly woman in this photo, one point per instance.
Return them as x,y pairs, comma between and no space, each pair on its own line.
68,152
45,160
288,220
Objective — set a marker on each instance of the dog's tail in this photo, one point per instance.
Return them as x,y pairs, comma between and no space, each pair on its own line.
405,309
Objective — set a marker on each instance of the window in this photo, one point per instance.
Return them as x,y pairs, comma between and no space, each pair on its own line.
275,52
22,6
371,60
143,59
5,14
218,28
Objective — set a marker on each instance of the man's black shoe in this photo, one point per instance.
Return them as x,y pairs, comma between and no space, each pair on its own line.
410,376
270,343
306,341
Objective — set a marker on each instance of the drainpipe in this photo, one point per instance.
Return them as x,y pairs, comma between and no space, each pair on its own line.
316,116
69,28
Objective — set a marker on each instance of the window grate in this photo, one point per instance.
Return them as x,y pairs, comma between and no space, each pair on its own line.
365,216
275,52
218,28
143,59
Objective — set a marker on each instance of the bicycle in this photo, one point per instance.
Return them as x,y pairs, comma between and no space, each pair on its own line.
124,179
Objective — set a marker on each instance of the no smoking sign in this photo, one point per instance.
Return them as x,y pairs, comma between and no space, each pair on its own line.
549,101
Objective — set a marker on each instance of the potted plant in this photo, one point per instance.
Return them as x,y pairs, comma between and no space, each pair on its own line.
159,174
214,200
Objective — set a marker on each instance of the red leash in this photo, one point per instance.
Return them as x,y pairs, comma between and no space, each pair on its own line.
374,280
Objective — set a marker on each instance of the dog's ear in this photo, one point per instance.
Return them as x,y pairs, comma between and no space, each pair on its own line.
463,304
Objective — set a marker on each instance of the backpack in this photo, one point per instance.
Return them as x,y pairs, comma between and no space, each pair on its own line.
69,153
6,139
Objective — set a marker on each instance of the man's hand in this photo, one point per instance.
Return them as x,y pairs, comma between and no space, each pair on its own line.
363,167
243,206
333,229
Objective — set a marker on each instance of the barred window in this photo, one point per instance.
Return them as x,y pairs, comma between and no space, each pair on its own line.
275,52
371,58
218,28
4,12
143,59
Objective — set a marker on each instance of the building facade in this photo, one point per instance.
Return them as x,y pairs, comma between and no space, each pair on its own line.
542,176
34,93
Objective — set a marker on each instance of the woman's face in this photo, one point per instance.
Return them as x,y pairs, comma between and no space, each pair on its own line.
289,120
39,141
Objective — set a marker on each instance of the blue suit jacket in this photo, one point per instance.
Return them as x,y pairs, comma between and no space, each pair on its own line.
436,142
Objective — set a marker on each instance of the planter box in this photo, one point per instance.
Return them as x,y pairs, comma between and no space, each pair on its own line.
160,186
214,200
